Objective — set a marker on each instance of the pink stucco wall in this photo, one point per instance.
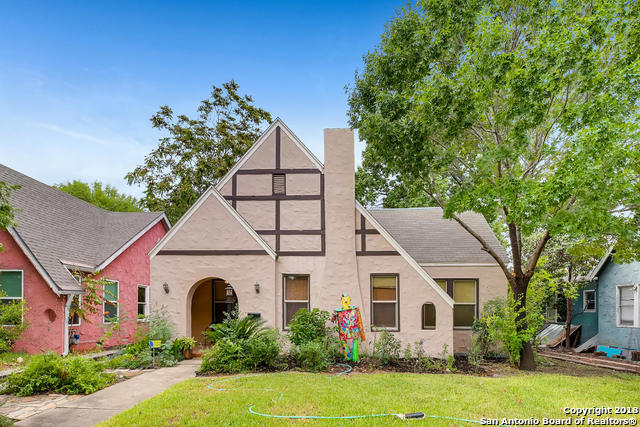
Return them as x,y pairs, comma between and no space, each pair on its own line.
130,269
43,334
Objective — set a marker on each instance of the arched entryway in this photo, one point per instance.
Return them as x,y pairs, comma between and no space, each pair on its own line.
209,304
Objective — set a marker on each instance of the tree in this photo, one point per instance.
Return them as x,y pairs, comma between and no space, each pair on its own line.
526,113
7,212
106,198
196,153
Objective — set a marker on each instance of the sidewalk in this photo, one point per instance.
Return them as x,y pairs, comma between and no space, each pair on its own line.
99,406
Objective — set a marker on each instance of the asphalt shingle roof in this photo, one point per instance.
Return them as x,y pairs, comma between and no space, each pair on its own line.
430,238
58,227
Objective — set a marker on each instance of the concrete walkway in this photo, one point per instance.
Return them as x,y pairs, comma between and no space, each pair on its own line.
89,410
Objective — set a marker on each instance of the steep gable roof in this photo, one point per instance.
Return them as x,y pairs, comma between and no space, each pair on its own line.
57,230
211,192
431,239
261,140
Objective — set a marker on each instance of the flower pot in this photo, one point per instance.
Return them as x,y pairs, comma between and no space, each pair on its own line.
187,353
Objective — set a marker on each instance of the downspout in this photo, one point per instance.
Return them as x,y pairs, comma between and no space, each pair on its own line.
67,310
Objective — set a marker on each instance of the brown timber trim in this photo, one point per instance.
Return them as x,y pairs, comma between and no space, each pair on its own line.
323,243
272,171
367,231
376,253
276,197
397,276
300,253
234,189
277,230
206,252
290,232
278,147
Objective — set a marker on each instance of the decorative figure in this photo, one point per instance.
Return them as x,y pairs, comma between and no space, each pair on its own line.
350,328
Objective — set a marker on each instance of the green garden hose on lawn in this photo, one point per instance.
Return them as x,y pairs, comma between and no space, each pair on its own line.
416,415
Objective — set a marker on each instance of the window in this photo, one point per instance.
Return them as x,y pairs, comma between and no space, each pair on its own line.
628,308
11,288
143,303
220,300
279,183
589,301
296,295
74,317
384,301
463,292
110,304
428,316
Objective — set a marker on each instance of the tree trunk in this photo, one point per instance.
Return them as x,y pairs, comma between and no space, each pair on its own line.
527,359
567,324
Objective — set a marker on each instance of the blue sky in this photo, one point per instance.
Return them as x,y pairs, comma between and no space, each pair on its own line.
80,80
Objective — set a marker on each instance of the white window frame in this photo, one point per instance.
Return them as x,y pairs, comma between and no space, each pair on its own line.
10,270
285,326
71,316
117,282
395,328
636,306
146,302
584,301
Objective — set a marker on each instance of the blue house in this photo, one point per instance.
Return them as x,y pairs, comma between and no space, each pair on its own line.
609,307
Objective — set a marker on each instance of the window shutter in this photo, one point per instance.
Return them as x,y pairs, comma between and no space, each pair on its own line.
279,183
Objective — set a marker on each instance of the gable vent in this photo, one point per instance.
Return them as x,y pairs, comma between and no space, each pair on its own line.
279,183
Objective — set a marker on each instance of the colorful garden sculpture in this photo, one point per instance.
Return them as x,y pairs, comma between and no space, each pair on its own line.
350,328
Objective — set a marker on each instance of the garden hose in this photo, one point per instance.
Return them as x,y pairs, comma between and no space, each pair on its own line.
415,415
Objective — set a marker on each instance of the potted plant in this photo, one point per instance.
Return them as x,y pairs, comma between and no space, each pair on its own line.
186,345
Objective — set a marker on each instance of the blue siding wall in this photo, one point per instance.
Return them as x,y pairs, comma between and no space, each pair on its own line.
588,320
611,276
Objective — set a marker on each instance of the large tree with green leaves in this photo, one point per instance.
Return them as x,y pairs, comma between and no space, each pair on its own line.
195,153
106,197
525,112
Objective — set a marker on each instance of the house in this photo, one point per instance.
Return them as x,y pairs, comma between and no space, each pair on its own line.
281,231
608,308
57,238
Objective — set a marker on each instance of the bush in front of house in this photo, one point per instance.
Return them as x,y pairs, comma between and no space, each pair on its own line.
51,373
11,313
311,356
309,325
241,344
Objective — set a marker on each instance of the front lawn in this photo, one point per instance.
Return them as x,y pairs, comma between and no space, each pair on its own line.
463,396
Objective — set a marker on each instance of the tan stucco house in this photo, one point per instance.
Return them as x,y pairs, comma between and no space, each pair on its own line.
285,232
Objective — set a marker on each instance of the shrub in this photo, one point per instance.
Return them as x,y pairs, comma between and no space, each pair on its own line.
263,351
311,356
307,326
160,326
386,348
52,373
184,343
235,329
11,313
225,356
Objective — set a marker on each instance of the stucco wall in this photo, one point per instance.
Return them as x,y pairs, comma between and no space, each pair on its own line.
43,334
184,273
130,269
608,279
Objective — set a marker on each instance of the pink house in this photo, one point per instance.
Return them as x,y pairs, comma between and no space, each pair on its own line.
58,237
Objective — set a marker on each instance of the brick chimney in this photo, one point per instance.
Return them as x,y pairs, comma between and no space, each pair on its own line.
339,186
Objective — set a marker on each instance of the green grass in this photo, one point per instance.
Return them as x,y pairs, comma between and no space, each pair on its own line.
463,396
9,360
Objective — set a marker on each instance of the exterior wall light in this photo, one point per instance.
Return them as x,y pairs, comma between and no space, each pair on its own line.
165,286
229,291
257,287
